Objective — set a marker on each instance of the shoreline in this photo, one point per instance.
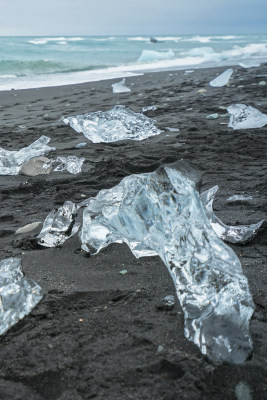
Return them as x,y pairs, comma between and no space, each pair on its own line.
126,71
97,333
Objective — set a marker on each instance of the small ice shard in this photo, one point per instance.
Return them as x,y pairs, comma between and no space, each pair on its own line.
245,117
162,212
18,295
27,228
11,161
222,79
238,198
262,83
120,87
149,108
167,303
36,166
231,234
81,145
172,129
212,116
189,71
72,164
120,123
59,225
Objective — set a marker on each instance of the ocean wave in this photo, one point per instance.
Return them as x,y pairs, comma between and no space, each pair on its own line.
139,39
168,38
151,55
59,40
11,68
102,39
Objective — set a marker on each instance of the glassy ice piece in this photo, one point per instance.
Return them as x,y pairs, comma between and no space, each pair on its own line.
72,164
231,234
59,225
18,295
120,87
11,161
162,211
149,108
245,117
238,197
222,79
120,123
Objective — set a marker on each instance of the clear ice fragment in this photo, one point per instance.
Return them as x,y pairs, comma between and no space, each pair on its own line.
245,117
162,212
18,295
120,123
149,108
72,164
11,161
120,87
238,198
232,234
222,79
59,225
249,64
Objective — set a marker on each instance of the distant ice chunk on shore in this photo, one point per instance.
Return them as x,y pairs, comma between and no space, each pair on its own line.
18,295
119,87
231,234
152,55
222,79
120,123
249,64
161,212
245,117
11,161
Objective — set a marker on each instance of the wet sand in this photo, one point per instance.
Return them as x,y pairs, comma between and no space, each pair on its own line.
98,334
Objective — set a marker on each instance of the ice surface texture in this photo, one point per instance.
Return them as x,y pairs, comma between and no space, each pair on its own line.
231,234
161,212
222,79
120,123
18,295
72,164
11,161
59,225
245,117
120,87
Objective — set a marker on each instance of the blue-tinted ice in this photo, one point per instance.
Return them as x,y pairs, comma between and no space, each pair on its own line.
59,225
11,161
232,234
222,79
161,212
18,295
120,123
245,117
119,87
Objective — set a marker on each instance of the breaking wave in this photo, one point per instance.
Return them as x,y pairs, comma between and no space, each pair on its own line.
151,55
60,40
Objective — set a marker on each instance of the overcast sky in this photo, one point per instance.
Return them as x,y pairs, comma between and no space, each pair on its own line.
132,17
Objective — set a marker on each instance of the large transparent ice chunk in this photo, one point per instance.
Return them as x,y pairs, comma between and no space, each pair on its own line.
59,225
162,212
232,234
18,295
119,87
245,117
11,161
120,123
222,79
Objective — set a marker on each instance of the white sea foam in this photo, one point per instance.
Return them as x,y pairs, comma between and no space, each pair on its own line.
139,39
152,55
168,38
60,40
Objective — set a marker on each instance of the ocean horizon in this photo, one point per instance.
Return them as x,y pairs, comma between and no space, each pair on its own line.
41,61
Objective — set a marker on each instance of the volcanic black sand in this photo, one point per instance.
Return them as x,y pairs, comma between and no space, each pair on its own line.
97,333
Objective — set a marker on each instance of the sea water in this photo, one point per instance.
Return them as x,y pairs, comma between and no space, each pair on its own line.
28,62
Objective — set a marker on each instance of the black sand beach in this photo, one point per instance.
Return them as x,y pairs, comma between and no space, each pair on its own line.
98,334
